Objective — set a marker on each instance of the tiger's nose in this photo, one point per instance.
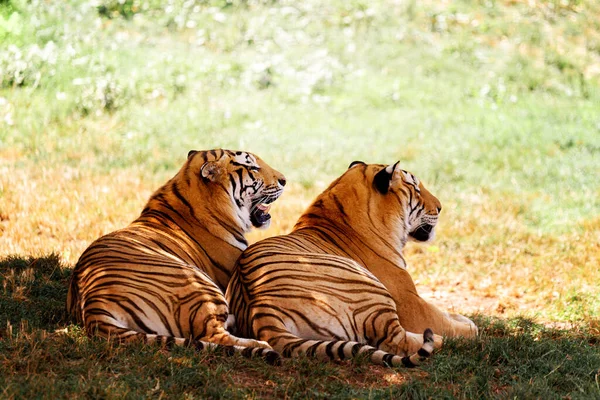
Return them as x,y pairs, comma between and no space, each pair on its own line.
439,209
282,181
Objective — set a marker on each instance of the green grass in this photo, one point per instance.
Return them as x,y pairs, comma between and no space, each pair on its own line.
494,104
47,356
481,98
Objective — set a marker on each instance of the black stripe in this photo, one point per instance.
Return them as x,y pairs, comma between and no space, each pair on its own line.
356,348
340,351
272,357
408,363
423,353
247,352
328,350
313,349
229,350
178,194
287,352
339,205
387,360
170,342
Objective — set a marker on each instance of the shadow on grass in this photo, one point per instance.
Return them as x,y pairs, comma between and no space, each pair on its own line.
511,358
34,290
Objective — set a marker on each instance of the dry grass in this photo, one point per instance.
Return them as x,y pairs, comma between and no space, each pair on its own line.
62,210
46,209
484,260
487,261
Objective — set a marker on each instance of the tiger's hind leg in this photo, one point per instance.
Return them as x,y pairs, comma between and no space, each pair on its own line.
216,333
388,335
211,326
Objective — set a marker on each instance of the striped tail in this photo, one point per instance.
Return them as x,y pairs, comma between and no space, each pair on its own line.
270,356
126,336
342,350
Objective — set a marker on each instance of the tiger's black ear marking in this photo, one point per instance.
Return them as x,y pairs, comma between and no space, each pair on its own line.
383,178
353,163
382,181
191,153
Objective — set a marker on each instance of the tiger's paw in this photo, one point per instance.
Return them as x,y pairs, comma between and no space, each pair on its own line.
438,341
468,328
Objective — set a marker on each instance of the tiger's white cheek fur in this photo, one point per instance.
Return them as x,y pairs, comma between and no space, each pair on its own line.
243,216
242,213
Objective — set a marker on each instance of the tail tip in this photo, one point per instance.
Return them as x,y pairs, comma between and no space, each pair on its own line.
272,358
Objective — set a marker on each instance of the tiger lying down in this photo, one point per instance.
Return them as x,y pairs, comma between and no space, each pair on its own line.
337,285
162,278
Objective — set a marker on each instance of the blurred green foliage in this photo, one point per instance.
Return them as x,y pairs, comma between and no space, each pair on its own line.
493,96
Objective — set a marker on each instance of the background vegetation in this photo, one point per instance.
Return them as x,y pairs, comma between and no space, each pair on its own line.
495,104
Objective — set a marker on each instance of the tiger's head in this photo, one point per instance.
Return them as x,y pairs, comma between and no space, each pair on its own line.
401,193
239,181
378,201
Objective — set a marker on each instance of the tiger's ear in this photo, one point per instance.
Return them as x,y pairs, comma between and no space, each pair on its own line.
211,170
353,163
383,179
191,153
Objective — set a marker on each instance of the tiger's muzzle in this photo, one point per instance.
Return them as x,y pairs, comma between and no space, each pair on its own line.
423,233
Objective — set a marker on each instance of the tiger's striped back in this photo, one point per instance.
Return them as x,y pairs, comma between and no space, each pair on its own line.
161,279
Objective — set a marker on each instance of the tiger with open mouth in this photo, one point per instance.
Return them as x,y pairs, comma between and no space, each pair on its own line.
163,277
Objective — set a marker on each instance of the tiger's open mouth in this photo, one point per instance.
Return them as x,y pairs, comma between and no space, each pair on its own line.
423,233
259,215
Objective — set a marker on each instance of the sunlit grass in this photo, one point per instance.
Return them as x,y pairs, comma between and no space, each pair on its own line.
486,257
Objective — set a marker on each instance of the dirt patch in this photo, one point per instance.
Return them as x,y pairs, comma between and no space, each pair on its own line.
462,299
375,376
459,299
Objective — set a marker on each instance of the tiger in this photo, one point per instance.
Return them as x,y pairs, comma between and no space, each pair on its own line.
337,285
162,278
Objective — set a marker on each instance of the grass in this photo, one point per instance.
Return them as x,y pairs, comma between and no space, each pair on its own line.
46,355
494,104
